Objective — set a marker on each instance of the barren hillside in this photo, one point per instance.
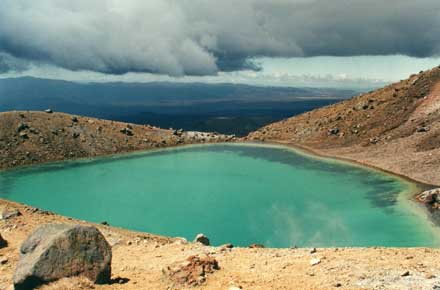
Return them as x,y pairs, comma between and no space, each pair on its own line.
36,137
396,128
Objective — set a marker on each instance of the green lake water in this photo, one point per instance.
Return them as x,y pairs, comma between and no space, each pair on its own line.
234,193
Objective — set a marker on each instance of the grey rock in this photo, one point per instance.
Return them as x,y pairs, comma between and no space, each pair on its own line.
24,135
178,132
49,111
126,131
374,140
55,251
21,127
333,131
33,130
422,129
75,119
201,238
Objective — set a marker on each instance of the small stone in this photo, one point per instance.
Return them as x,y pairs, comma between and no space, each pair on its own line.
256,246
422,129
21,127
75,119
374,140
3,260
315,261
126,131
3,242
201,238
24,135
234,288
33,130
8,213
180,241
192,271
312,251
49,111
337,285
105,223
333,131
430,276
404,274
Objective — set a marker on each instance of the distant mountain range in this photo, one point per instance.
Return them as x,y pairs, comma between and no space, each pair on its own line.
225,108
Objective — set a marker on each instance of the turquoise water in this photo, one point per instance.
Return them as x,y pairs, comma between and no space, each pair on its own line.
241,194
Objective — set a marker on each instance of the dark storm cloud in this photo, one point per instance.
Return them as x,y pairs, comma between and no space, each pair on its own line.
10,63
200,37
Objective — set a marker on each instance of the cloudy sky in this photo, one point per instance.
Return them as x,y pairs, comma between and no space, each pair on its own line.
280,42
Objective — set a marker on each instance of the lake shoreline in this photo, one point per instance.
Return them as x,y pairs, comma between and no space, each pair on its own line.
418,187
317,153
411,187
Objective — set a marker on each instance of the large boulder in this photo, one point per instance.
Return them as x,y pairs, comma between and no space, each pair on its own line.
55,251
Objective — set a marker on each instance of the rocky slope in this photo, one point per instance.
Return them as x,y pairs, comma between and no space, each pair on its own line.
37,137
396,128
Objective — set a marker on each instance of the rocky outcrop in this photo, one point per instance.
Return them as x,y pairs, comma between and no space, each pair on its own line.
192,271
55,251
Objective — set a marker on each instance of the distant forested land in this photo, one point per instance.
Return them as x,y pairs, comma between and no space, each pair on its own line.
224,108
